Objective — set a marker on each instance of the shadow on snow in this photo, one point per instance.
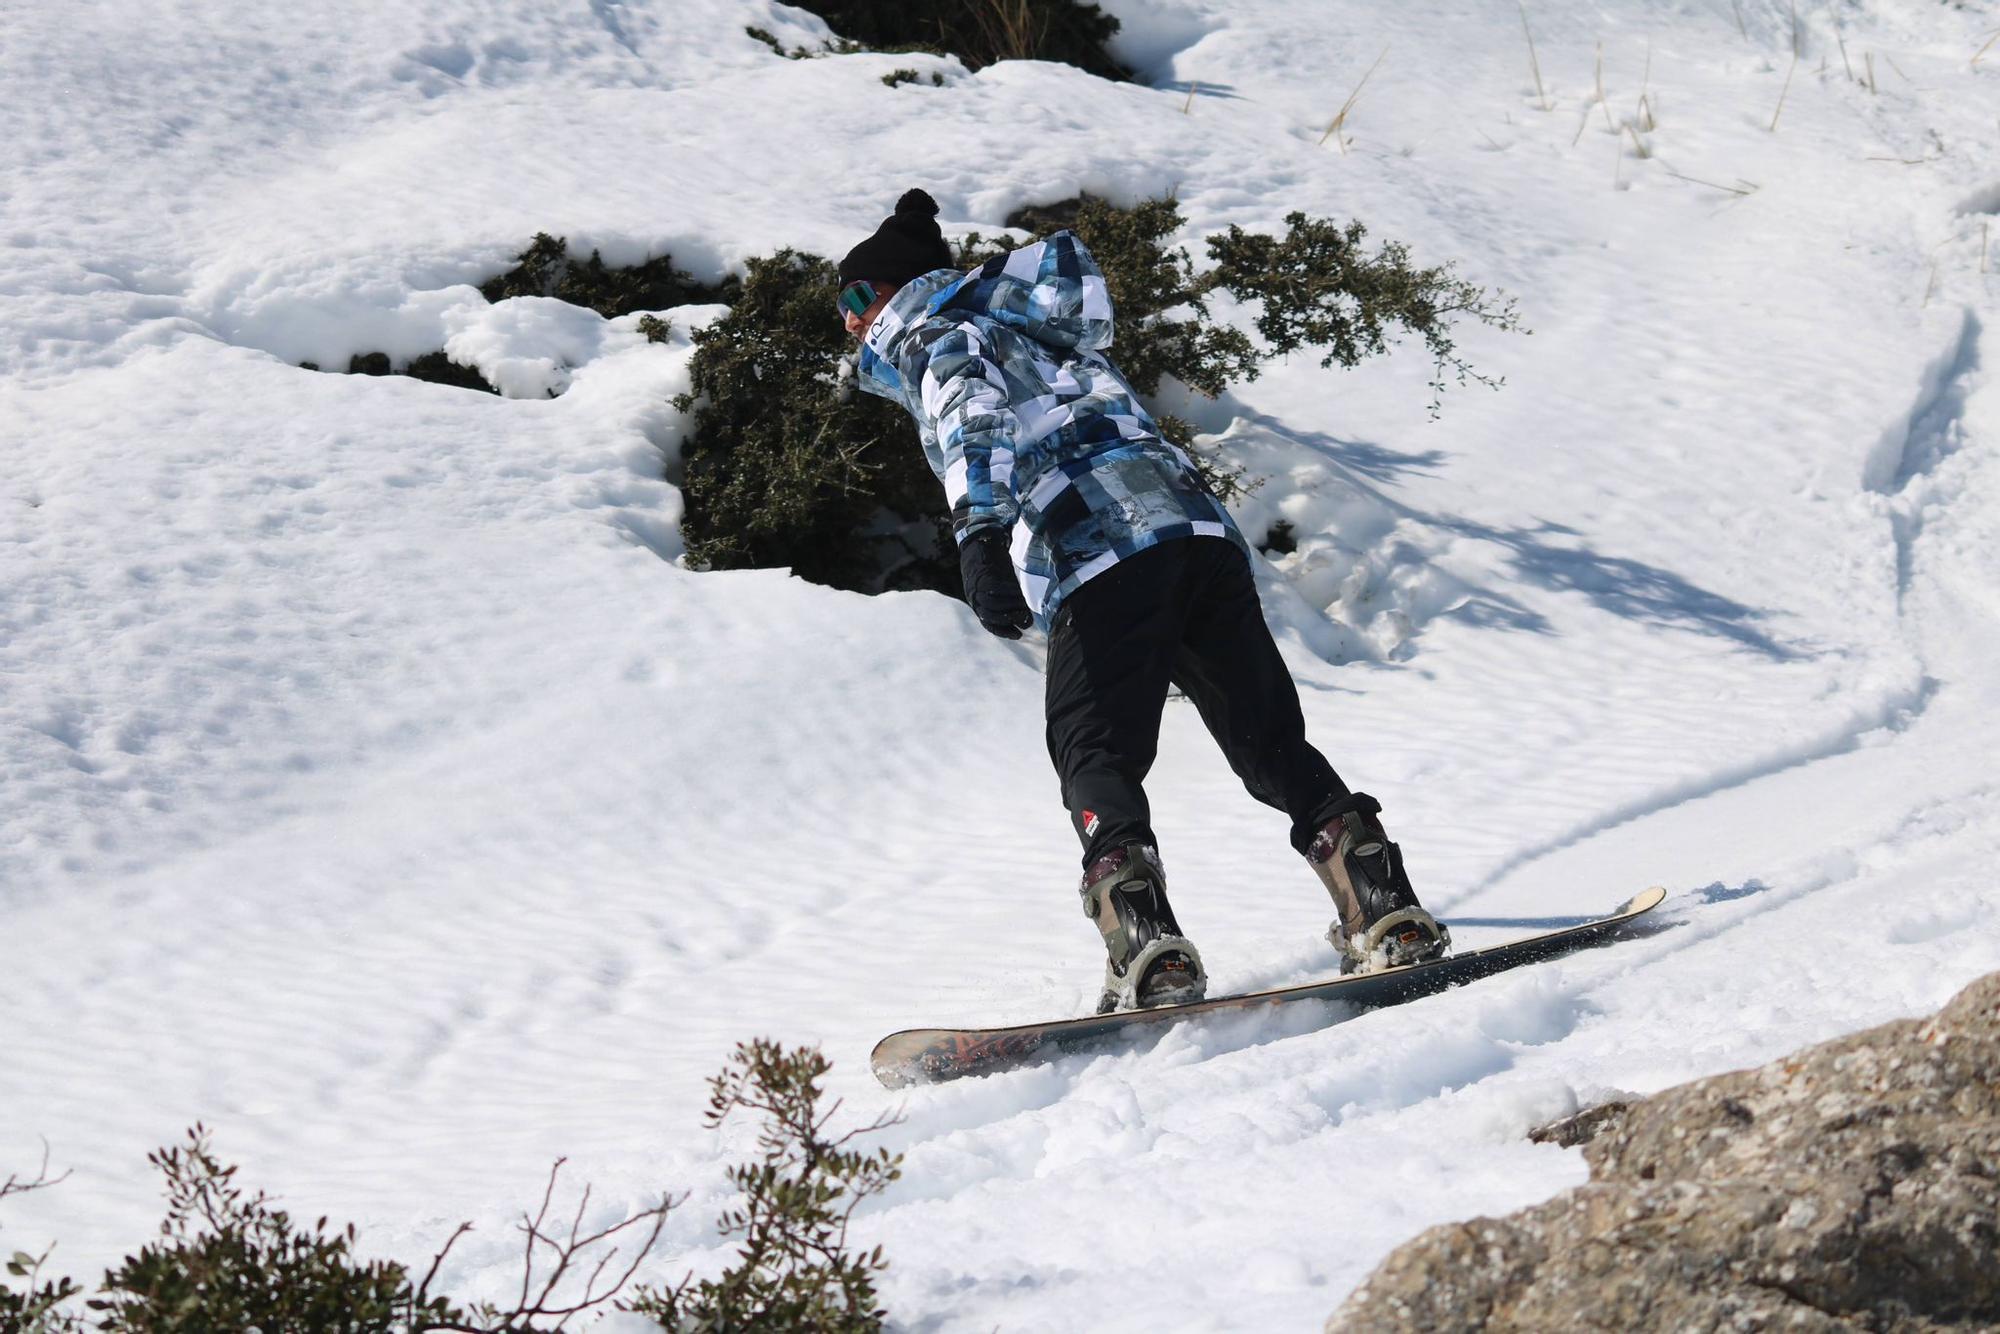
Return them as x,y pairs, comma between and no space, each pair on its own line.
1548,556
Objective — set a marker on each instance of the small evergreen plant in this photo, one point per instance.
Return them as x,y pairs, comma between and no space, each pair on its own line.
794,1269
229,1260
786,465
225,1260
1315,287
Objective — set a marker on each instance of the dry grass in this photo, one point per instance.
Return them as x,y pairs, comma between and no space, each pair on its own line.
1742,187
1783,92
1011,27
1647,121
1188,106
1533,63
1603,102
1841,38
1340,117
1981,52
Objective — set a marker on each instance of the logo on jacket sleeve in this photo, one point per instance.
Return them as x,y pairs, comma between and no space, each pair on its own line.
1090,824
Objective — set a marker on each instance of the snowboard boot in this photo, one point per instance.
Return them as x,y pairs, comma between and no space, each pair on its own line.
1151,963
1380,923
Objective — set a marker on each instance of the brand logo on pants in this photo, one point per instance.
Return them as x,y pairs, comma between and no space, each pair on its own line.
1090,824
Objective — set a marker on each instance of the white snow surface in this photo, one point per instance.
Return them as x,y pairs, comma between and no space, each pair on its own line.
377,787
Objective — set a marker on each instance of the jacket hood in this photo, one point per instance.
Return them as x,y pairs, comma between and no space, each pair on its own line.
1051,291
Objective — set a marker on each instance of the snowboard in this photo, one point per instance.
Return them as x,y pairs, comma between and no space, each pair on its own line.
932,1055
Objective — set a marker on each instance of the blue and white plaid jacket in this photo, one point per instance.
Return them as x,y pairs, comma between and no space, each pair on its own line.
1027,423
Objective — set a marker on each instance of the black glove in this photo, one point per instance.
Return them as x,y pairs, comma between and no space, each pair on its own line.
990,587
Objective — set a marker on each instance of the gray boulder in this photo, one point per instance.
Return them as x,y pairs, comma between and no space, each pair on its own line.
1851,1186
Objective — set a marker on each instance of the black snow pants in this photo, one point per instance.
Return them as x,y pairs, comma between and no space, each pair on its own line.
1184,613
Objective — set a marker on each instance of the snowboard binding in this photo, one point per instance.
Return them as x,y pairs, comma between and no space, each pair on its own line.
1150,963
1380,924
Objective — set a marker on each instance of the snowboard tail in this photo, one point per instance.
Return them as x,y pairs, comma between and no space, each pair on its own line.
931,1055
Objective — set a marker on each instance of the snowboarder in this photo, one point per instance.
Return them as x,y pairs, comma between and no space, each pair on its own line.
1071,511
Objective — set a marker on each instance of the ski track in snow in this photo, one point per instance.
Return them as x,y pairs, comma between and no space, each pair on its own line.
375,788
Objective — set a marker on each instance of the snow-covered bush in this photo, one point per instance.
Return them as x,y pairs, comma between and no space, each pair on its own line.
897,77
546,269
435,367
979,32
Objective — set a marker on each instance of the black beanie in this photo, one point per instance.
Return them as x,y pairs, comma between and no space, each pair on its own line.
907,244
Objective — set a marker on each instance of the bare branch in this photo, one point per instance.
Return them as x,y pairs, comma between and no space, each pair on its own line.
424,1288
15,1185
538,1299
533,1228
1744,189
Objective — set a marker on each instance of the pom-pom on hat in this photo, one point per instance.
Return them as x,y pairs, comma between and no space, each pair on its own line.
907,244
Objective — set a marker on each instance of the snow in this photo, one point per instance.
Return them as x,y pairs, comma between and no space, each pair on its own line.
376,788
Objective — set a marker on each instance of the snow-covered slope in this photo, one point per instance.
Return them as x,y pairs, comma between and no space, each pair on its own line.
375,788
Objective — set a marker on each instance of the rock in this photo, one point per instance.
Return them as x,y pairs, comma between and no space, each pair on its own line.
1584,1126
1851,1186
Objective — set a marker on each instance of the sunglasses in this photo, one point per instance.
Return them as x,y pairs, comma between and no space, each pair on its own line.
856,298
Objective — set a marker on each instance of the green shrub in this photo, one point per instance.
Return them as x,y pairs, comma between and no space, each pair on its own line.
1315,288
783,468
225,1261
40,1307
978,32
230,1261
794,1270
780,469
